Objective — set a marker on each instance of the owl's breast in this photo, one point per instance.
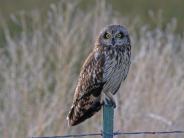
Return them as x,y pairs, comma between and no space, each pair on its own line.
115,70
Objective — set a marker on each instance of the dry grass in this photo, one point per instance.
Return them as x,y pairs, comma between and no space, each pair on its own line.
39,68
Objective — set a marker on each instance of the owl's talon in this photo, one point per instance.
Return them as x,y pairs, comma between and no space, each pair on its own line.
109,102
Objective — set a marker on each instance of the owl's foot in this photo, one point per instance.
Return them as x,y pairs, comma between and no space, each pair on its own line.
109,102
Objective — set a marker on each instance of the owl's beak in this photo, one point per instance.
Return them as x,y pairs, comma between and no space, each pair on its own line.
113,41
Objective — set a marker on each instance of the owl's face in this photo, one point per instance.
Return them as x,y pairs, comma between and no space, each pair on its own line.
113,36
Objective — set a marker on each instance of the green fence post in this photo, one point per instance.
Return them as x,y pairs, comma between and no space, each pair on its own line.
108,116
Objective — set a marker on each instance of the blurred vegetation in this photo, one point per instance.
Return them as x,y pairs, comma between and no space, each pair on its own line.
168,9
8,7
153,13
40,60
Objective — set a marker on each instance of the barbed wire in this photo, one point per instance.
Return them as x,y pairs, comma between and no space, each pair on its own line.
118,133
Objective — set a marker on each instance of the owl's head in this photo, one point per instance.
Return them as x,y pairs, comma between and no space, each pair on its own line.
113,36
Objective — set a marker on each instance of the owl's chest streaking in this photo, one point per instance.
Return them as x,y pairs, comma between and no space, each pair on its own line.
116,66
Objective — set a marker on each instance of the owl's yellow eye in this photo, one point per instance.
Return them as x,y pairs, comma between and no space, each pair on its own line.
107,35
120,35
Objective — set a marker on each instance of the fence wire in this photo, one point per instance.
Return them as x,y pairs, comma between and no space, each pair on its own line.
118,133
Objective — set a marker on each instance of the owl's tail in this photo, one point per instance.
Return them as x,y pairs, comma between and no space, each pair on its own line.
83,110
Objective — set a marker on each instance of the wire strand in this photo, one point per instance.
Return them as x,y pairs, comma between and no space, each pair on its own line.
118,133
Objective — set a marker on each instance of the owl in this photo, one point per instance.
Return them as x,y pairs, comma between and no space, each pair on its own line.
101,74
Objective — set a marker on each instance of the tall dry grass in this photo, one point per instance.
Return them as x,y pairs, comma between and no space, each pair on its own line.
39,68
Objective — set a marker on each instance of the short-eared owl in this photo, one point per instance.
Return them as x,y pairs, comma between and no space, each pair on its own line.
102,73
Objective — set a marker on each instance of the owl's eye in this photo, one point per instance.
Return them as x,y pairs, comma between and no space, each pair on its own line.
107,35
120,35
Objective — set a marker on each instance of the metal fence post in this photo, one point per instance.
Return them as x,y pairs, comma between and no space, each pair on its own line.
108,116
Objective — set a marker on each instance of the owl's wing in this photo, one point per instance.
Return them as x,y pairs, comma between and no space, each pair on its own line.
87,98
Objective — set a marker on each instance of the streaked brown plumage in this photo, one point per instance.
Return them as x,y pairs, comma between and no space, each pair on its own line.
102,73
